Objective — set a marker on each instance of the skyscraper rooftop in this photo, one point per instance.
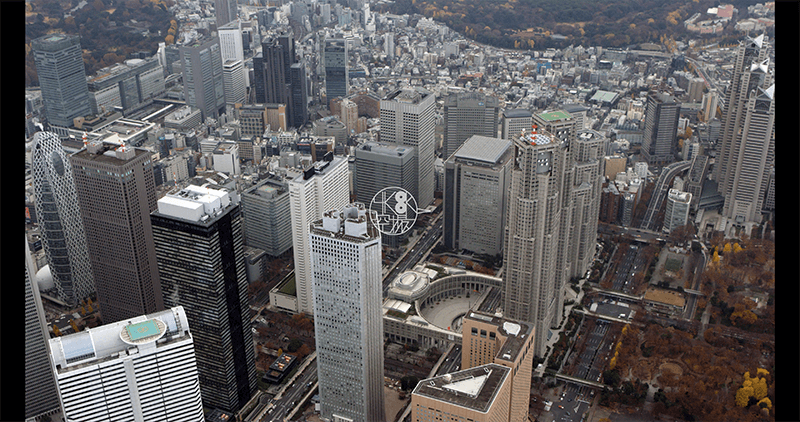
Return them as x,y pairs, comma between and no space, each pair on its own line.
483,148
474,388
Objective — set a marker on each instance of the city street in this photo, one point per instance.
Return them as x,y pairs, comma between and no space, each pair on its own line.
661,190
291,395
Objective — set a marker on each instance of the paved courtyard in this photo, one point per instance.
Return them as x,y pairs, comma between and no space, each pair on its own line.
447,312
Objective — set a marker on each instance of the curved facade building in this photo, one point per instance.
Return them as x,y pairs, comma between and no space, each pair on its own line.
59,215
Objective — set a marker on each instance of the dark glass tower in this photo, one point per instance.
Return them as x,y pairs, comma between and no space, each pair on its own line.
198,235
298,102
269,71
62,77
336,78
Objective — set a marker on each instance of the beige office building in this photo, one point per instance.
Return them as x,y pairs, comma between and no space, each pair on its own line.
480,394
532,287
491,339
614,165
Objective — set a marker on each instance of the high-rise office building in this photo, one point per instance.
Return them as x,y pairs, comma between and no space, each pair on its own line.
298,98
337,82
407,118
58,212
233,82
467,114
267,216
323,186
62,77
660,128
477,176
677,212
562,126
203,85
479,394
41,396
515,122
490,339
747,149
709,104
349,115
346,257
226,11
285,39
279,78
138,369
116,191
586,161
379,166
269,72
198,236
131,85
388,45
582,185
578,112
230,40
531,285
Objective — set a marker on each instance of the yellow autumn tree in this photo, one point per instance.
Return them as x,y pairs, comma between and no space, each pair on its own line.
169,39
743,396
760,388
766,401
727,248
762,372
742,316
736,247
715,257
56,331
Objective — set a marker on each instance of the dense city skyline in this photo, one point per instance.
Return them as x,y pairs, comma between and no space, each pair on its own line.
567,201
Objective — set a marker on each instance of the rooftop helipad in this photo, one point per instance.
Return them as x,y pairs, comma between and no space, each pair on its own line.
142,332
